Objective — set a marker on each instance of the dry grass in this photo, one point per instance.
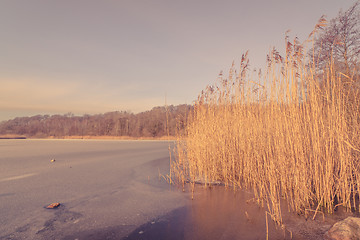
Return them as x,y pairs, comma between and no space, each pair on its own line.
291,134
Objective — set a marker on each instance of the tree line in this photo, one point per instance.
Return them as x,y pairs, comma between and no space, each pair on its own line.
158,122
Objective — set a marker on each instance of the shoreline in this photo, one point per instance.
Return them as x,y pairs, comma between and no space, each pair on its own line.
127,138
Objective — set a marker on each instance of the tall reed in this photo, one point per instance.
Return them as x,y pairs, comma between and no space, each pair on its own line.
291,134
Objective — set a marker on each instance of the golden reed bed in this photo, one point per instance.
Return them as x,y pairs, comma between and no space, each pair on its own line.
292,133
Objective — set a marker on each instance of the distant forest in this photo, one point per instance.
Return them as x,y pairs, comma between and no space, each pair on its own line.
158,122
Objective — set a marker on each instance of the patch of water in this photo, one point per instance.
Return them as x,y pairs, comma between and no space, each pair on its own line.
220,213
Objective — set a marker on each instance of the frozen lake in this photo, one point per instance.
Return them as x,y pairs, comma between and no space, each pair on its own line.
100,184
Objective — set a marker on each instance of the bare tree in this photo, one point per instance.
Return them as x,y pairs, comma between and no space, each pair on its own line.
339,41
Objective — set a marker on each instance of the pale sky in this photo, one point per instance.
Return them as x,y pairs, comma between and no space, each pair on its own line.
85,56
